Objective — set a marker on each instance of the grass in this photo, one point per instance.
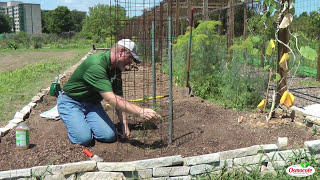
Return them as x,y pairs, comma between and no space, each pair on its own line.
253,172
19,86
310,83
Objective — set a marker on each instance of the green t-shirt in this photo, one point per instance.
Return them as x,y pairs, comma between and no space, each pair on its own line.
92,76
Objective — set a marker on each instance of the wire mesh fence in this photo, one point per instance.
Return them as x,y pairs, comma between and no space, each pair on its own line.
229,35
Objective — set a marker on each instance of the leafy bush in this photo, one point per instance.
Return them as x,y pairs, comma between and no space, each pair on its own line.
36,42
211,77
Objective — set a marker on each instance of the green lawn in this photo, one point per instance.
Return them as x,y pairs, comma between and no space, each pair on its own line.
28,72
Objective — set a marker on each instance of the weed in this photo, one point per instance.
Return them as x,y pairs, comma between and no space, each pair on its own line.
45,172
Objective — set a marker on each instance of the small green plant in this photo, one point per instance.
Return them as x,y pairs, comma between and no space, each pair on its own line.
138,134
45,172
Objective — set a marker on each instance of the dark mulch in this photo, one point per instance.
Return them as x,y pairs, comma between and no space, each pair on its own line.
200,127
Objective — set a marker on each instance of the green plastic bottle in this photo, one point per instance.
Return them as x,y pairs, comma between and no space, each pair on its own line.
22,136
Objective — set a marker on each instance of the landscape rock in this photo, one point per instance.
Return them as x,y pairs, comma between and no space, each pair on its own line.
42,171
283,155
229,163
25,110
45,91
312,119
16,120
142,164
32,104
101,175
266,148
18,115
171,171
282,143
174,178
11,125
15,174
249,160
200,169
239,152
139,174
4,131
78,167
276,164
202,159
313,146
35,99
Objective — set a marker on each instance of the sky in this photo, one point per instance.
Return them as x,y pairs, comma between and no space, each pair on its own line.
135,7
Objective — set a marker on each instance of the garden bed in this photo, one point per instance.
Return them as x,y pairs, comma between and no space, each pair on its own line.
200,127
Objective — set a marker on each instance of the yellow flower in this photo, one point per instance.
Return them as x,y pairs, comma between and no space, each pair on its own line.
271,44
283,62
262,104
287,99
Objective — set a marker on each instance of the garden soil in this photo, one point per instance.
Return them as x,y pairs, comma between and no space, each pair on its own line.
199,127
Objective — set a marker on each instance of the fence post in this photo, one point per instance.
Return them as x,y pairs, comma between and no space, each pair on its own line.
245,17
318,66
170,82
230,28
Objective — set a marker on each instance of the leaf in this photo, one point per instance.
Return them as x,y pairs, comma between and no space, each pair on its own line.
275,77
268,14
286,21
255,51
266,67
302,165
271,44
308,53
255,39
270,47
292,10
272,8
262,104
287,99
283,62
268,51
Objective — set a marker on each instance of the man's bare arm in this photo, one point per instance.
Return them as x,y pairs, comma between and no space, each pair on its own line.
119,103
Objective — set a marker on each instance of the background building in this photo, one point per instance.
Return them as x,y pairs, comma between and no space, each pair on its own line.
25,16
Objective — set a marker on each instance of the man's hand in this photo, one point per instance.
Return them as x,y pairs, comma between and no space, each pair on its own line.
148,114
125,131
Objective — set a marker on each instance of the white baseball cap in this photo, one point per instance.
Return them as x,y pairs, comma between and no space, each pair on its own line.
132,47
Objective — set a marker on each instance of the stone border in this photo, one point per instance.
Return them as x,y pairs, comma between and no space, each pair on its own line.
301,118
268,157
24,113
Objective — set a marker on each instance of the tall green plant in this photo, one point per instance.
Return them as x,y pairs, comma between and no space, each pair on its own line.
232,85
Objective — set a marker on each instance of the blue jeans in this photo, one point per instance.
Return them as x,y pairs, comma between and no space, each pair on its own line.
85,121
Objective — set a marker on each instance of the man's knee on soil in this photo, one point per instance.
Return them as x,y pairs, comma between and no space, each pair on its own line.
83,139
107,138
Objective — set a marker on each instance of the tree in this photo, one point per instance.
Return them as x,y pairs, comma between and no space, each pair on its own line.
77,18
5,23
45,15
104,21
59,20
